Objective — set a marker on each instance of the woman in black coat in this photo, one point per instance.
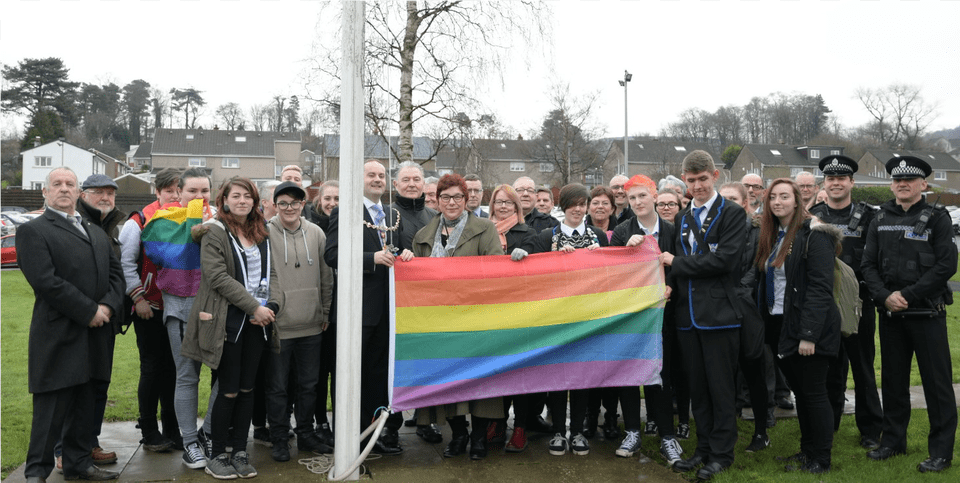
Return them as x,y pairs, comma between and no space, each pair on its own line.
796,259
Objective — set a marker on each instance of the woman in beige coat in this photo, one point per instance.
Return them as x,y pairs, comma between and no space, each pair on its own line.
456,232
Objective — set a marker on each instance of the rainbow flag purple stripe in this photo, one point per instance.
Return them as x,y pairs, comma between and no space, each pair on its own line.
478,327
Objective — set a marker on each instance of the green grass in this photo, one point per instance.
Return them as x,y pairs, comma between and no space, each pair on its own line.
956,276
850,464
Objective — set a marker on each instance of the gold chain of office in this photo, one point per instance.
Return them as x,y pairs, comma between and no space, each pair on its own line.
385,228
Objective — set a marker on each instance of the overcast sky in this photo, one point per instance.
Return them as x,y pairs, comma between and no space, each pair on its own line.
682,53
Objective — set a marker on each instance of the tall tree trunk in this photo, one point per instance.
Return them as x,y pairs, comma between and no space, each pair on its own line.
405,142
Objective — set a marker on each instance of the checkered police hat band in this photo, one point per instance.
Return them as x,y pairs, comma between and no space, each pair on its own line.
908,170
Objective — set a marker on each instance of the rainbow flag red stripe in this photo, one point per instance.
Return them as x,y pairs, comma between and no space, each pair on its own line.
478,327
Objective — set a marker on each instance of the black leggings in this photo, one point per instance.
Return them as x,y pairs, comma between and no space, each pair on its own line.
236,373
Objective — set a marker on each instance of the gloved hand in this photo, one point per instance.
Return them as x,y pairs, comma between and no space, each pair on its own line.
518,254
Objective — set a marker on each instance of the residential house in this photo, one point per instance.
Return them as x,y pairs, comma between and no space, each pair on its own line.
141,157
258,155
772,161
375,147
946,169
39,160
657,158
139,184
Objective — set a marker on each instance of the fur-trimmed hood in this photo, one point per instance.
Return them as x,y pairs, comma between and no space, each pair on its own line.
830,230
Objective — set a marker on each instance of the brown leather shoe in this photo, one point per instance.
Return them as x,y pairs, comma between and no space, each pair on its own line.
101,457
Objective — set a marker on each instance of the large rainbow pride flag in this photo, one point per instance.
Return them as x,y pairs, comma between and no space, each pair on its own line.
477,327
168,244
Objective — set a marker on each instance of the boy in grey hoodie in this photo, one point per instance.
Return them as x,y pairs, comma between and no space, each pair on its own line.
301,299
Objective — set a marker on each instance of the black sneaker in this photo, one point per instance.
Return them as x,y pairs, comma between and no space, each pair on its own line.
280,451
760,442
559,445
934,465
157,443
325,434
206,443
683,431
261,436
310,442
651,428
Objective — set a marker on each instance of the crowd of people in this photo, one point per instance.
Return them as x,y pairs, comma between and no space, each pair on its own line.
250,293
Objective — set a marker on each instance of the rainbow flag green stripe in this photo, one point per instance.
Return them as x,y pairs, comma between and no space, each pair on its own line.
167,242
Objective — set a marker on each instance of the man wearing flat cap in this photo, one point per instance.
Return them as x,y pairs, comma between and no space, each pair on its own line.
909,256
859,349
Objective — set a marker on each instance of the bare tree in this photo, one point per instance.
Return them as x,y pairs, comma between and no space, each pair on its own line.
159,102
900,114
259,116
231,115
441,50
568,134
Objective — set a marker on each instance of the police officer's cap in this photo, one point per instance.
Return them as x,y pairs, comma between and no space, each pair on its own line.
906,167
838,165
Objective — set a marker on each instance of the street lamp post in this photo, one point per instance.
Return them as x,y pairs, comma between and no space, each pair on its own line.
626,78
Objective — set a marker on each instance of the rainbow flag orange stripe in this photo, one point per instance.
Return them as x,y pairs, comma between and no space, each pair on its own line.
478,327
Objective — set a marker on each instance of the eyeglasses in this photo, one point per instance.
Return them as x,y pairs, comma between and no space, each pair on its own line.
806,186
616,187
449,198
668,205
753,186
474,191
526,190
293,204
502,203
101,192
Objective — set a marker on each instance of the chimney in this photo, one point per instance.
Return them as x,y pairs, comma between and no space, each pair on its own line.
36,141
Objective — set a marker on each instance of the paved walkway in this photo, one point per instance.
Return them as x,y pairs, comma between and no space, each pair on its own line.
419,462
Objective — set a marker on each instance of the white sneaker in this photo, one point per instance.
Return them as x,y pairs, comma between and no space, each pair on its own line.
559,445
193,456
671,451
630,444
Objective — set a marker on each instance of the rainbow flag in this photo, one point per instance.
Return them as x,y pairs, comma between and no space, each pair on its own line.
477,327
167,243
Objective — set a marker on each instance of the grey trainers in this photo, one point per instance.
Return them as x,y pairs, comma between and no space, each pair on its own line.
193,456
241,463
220,468
630,444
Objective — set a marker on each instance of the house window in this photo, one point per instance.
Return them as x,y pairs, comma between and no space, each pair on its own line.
231,163
775,152
795,171
940,175
814,154
189,137
36,185
197,162
42,161
444,172
544,168
99,167
680,148
241,139
519,166
834,152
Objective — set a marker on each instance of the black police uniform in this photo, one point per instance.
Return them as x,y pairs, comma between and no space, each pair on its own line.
859,349
918,259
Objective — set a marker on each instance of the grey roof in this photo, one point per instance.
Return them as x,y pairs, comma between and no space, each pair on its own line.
650,150
143,150
506,149
216,142
375,147
787,155
941,161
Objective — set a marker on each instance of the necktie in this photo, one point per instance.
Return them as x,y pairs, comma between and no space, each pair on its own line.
696,215
771,274
378,220
76,223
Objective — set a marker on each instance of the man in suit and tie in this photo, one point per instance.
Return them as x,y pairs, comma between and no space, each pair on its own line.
706,269
378,257
70,265
475,195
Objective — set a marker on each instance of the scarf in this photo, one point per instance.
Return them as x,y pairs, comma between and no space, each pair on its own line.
503,226
440,251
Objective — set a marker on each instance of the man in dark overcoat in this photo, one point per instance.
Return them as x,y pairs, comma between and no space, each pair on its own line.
79,286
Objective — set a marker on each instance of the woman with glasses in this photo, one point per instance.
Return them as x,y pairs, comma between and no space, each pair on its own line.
456,232
668,204
572,234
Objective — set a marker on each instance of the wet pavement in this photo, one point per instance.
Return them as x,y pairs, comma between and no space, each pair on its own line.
419,462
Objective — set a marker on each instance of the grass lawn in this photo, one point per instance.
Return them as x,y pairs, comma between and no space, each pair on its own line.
956,276
850,464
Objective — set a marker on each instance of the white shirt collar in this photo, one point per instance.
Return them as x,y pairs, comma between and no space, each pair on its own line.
65,215
582,229
655,231
708,204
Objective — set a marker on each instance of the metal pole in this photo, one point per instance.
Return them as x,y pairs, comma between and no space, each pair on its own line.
350,256
626,147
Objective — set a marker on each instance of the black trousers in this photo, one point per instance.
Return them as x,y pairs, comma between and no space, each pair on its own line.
710,357
158,376
374,369
900,339
858,352
659,398
328,371
807,376
754,374
236,375
304,353
61,414
557,400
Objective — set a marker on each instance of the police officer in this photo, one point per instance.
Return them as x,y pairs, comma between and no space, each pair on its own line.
908,258
854,222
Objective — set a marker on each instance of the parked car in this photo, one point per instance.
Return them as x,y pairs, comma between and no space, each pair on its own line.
8,251
955,220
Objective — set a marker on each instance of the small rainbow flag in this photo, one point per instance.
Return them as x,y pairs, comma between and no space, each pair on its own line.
167,243
477,327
